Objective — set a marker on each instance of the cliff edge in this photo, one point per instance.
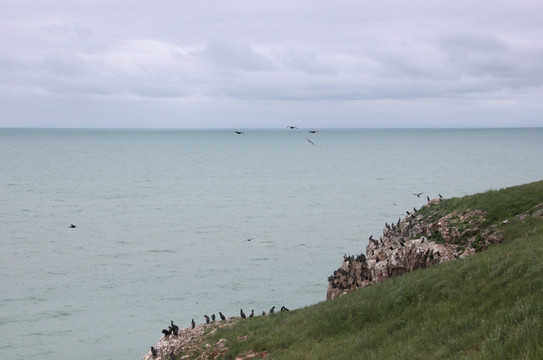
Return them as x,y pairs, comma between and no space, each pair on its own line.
421,239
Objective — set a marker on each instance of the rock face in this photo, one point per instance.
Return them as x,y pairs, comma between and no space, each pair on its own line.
419,240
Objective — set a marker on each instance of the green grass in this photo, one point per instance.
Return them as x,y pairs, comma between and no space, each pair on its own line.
487,306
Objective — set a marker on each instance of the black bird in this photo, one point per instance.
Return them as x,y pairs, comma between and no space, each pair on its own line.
418,194
284,308
213,317
441,197
239,132
292,127
272,310
428,198
312,143
175,327
166,332
153,352
415,209
193,324
407,212
312,131
222,316
242,313
252,313
263,313
72,226
207,319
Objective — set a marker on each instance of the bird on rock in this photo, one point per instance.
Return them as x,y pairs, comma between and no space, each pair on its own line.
193,324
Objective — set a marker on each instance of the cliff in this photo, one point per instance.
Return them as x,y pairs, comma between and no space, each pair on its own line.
421,239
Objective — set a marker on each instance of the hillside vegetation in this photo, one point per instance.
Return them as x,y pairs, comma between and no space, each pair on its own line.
486,306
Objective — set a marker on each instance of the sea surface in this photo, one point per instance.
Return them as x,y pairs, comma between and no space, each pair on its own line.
163,221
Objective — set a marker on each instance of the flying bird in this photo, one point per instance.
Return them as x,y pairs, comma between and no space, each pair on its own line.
418,194
239,132
72,226
310,141
312,131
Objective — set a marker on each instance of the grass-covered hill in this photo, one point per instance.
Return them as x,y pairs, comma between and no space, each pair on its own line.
485,306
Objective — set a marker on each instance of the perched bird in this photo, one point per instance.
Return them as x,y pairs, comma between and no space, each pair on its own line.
272,310
284,308
263,313
252,313
166,332
441,197
418,194
213,317
193,324
312,143
174,327
242,313
207,319
153,352
222,316
428,198
239,132
72,226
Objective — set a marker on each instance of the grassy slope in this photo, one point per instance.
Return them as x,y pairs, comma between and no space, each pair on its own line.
488,306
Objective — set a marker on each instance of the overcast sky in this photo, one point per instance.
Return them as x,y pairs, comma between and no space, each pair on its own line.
262,64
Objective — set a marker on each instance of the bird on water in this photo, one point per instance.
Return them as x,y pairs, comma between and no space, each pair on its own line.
242,313
292,127
72,226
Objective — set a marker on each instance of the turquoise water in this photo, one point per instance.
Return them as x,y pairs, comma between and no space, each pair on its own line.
163,218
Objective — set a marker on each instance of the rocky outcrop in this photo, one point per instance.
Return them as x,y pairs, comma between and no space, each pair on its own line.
191,343
419,240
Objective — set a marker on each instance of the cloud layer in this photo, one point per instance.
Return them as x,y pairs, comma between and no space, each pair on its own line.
259,64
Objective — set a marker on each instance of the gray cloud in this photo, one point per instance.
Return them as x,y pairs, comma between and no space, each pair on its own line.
286,57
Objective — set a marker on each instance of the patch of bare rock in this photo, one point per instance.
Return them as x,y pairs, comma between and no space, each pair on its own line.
419,240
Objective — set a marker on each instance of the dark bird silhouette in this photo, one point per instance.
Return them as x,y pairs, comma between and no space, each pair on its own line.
407,212
312,131
284,308
72,226
272,310
428,198
207,319
263,313
441,197
239,132
312,143
222,316
173,326
249,239
213,317
292,127
418,194
252,314
193,324
415,209
166,332
242,313
153,352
